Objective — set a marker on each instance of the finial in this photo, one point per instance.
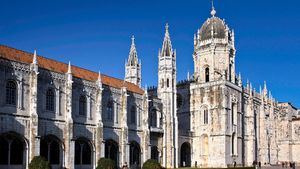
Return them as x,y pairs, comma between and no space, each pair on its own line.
213,11
34,61
167,27
132,40
69,68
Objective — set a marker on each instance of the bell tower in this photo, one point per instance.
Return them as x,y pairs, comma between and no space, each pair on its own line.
167,93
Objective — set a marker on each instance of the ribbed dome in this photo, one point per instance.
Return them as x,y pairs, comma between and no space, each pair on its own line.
215,24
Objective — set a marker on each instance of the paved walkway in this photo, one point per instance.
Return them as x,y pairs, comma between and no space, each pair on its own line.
277,167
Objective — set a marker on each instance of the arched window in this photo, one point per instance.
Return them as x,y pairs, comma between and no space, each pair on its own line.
207,74
82,105
153,118
11,93
135,155
50,100
110,110
11,150
83,153
205,116
50,148
133,115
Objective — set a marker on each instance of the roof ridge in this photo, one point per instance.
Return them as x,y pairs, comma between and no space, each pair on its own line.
132,87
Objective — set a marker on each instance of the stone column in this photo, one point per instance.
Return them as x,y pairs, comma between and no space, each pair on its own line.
68,130
34,141
124,153
99,142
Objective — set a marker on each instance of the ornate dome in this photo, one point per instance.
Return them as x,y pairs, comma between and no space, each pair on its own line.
215,25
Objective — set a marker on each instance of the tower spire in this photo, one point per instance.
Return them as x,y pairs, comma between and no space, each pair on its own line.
167,45
132,58
133,67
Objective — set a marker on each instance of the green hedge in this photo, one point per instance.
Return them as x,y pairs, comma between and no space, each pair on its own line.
105,163
39,162
151,164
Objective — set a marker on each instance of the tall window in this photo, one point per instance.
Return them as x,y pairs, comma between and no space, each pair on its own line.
153,118
168,82
162,83
133,115
110,110
232,114
50,100
205,117
230,69
11,93
207,74
82,105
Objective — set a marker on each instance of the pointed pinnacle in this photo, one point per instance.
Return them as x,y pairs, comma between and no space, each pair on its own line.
34,61
69,68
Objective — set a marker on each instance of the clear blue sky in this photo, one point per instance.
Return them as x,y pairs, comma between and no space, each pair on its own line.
96,35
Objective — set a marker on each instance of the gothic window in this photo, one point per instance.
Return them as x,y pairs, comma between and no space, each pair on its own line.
50,100
207,74
205,116
11,93
82,105
110,110
153,118
162,83
133,115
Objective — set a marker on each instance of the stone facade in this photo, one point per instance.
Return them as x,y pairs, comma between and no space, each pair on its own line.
73,116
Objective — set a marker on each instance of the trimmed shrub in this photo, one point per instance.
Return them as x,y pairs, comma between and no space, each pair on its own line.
151,164
39,162
105,163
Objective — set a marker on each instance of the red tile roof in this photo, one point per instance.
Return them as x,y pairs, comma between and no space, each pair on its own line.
55,66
